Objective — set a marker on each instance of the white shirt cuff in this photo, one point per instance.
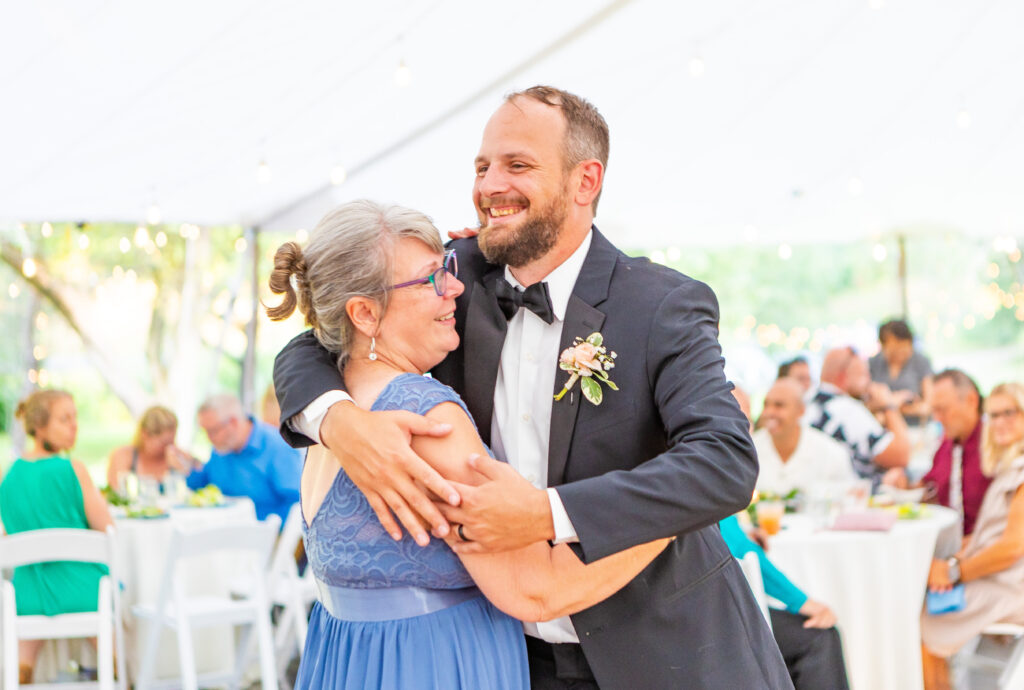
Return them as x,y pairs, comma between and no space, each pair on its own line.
309,420
564,531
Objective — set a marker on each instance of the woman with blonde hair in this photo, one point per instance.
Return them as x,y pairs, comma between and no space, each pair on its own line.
45,489
152,453
991,565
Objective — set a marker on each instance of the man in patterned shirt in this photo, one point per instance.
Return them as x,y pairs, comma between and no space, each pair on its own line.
837,410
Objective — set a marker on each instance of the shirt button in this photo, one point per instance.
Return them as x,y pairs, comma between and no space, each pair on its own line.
526,416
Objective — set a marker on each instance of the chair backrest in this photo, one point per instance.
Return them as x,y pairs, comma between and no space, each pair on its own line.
48,545
752,571
283,561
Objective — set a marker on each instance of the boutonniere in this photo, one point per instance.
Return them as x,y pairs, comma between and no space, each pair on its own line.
588,362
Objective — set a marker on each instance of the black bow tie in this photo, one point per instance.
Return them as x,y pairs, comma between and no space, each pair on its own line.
535,298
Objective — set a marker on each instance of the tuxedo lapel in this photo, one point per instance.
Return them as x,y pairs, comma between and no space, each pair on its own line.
582,317
484,338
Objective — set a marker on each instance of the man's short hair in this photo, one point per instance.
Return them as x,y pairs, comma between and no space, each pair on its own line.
226,406
963,384
785,367
895,328
586,132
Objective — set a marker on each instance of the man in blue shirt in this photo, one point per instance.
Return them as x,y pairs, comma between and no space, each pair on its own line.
249,458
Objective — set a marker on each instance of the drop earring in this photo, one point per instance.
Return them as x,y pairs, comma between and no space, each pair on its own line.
373,348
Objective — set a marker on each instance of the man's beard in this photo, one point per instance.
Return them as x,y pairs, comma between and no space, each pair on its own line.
529,241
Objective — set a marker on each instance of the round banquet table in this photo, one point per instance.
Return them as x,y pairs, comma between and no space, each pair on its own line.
875,582
142,554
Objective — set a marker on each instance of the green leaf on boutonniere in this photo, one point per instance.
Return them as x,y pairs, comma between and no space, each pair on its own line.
595,339
591,390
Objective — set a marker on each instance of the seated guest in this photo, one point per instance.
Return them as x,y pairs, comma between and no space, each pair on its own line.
799,370
805,631
991,565
249,458
837,410
153,452
905,371
45,489
792,455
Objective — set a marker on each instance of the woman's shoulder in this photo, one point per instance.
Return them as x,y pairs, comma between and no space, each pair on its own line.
415,393
121,455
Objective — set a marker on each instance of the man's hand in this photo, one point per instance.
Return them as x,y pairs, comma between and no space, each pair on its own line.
505,512
373,449
818,615
895,477
463,233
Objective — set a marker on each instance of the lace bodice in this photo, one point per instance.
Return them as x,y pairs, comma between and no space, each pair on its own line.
346,544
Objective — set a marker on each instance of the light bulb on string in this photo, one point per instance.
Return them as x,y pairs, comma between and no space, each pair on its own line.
141,236
161,239
125,244
153,215
83,241
301,235
338,175
263,173
13,290
963,119
879,252
403,75
29,268
46,230
785,252
696,67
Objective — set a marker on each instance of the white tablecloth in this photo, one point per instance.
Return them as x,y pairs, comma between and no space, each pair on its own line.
875,582
142,554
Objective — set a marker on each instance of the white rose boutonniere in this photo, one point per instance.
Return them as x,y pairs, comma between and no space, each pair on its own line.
587,361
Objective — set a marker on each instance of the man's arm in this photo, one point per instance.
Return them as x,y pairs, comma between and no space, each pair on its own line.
710,467
372,447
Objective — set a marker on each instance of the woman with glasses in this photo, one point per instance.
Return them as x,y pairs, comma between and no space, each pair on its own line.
379,290
991,565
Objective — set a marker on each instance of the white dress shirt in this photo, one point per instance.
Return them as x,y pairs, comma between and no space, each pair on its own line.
818,458
523,396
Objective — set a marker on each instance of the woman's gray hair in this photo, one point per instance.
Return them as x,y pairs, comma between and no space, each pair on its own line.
350,254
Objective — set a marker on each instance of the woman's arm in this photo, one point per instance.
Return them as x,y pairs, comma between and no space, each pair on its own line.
538,582
119,462
1005,551
96,512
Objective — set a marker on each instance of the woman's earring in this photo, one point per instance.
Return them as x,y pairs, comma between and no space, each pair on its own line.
373,348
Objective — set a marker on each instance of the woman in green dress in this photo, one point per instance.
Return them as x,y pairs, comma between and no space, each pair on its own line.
46,489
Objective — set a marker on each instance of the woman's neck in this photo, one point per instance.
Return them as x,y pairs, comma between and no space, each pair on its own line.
366,378
41,449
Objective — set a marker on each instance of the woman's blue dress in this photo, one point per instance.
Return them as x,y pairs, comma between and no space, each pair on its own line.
368,629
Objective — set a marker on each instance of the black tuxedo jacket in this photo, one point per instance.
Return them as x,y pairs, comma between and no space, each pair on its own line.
669,453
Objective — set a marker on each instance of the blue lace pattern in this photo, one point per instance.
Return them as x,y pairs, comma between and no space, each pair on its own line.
345,543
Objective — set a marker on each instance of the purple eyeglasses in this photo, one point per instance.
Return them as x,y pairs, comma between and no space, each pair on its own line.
439,278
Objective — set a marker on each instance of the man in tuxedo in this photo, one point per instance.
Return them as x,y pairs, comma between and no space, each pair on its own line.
668,453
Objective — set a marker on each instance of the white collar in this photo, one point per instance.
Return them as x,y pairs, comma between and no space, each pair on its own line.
562,280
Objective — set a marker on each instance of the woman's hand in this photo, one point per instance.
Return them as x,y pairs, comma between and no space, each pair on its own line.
818,615
938,576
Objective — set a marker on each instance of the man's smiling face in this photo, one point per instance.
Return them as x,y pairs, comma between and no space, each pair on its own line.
521,189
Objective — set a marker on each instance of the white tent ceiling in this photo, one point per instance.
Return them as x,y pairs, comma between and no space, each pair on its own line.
811,119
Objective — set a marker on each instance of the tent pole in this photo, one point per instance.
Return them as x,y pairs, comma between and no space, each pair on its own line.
901,242
248,392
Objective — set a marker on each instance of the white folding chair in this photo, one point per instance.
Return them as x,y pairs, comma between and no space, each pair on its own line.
1012,675
80,545
293,593
752,571
176,610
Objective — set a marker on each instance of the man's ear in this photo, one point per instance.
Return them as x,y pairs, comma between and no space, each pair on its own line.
591,176
364,314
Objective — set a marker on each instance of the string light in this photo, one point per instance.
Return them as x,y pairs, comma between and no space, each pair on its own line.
785,252
118,273
301,236
969,322
263,174
13,290
28,267
153,215
33,376
658,256
46,230
403,75
83,241
963,119
42,321
673,254
161,239
125,244
44,378
39,352
879,252
696,67
141,236
338,175
241,245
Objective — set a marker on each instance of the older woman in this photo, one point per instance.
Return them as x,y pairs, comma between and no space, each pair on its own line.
45,489
379,289
152,453
991,566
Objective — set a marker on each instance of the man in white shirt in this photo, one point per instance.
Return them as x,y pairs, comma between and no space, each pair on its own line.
791,454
